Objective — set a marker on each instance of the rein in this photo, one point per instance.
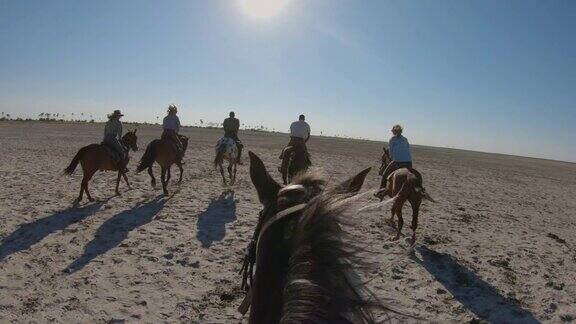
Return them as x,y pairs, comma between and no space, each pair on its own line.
279,216
253,251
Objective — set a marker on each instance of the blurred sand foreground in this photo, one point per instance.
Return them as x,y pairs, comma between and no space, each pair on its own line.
499,244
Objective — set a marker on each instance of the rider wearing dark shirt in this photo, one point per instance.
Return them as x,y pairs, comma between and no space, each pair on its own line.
231,128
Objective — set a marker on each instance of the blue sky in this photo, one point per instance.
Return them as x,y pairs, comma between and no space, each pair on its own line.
497,76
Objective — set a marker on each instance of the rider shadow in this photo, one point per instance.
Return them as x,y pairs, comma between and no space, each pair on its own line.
470,290
31,233
112,232
211,226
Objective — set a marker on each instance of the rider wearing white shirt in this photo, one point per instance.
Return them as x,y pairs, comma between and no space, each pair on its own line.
300,129
299,135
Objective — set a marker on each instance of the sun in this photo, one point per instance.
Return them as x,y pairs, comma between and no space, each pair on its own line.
263,8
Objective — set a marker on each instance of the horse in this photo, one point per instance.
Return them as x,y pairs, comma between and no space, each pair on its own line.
165,153
305,264
96,157
403,185
226,149
295,160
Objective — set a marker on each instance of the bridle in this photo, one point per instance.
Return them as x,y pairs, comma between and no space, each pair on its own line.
253,249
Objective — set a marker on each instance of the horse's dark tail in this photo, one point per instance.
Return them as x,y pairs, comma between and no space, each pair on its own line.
219,155
148,158
72,167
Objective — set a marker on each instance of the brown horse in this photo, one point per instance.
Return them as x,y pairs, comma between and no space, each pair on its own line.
96,157
295,160
165,153
304,261
403,185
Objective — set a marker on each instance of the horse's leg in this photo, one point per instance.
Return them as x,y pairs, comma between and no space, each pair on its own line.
235,169
88,174
163,179
153,181
397,209
230,172
169,174
415,203
400,223
222,173
82,185
126,180
118,183
179,164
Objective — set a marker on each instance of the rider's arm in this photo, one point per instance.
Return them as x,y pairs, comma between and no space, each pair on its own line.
177,125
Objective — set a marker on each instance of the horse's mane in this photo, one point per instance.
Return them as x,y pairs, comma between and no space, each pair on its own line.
321,279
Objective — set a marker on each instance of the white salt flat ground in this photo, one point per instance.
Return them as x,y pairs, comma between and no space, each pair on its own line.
490,248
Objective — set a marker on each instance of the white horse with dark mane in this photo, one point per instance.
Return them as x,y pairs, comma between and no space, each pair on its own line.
226,149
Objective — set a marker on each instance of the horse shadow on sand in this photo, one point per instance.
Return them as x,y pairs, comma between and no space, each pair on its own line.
211,226
31,233
478,296
113,231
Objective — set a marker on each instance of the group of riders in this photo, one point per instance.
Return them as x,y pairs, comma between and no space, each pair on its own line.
398,146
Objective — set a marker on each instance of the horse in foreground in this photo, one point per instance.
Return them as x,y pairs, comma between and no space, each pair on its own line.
226,149
304,262
96,157
403,185
165,153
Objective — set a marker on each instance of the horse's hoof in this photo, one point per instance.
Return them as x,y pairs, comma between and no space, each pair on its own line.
91,199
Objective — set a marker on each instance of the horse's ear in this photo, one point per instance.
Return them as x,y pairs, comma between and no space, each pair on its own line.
353,184
266,186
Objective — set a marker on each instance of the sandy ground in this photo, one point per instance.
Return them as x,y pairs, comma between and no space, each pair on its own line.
498,245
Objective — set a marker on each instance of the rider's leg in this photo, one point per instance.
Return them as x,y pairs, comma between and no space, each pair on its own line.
179,146
392,166
120,154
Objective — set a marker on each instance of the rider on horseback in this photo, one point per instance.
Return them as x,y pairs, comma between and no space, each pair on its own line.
401,158
299,136
171,126
112,139
231,127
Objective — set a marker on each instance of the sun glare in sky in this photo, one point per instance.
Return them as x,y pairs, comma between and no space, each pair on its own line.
263,8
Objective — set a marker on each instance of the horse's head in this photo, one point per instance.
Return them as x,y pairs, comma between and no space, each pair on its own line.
184,140
299,251
130,140
386,159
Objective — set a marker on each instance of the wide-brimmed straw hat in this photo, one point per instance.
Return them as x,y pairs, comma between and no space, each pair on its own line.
172,108
116,113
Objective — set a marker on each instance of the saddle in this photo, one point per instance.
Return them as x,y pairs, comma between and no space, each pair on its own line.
225,141
112,152
295,149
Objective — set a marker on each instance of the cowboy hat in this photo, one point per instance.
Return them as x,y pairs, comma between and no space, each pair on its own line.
116,113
